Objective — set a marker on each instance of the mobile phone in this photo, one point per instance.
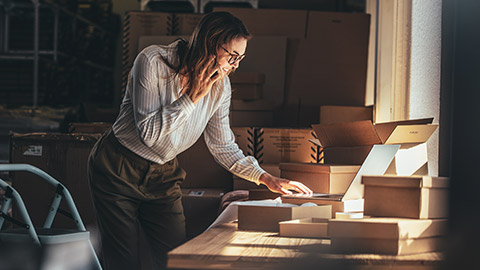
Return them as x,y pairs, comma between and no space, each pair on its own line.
214,65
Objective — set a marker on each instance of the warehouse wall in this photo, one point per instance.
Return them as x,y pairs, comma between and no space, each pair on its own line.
425,68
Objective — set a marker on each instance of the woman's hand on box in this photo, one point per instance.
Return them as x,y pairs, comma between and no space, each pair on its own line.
283,186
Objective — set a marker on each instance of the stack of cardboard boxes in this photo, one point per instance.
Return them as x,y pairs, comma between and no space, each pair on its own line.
351,143
407,215
404,210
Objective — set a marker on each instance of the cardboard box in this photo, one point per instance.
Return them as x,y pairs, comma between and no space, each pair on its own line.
280,22
409,134
247,85
421,197
321,178
305,227
144,23
195,160
251,113
339,74
271,62
266,218
297,115
201,207
376,163
239,183
64,157
337,114
277,145
394,236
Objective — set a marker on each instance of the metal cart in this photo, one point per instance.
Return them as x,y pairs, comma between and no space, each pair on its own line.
26,232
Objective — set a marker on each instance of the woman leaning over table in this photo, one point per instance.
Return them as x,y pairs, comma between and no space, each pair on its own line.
174,94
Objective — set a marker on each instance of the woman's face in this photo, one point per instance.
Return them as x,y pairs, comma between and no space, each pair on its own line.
230,54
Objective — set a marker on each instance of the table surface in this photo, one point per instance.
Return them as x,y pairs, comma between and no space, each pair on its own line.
225,247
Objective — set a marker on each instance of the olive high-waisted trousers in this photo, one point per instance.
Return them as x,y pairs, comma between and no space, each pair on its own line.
129,191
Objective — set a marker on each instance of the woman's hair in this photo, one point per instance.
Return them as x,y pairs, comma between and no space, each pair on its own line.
213,31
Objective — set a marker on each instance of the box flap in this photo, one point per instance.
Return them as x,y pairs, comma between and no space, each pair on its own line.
411,134
385,129
405,181
347,134
318,168
376,163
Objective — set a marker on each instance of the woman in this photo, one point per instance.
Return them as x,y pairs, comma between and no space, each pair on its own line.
174,94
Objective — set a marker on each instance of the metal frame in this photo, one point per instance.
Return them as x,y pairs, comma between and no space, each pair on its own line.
61,192
6,53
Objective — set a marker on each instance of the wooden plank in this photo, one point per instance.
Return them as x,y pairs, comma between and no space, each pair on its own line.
225,247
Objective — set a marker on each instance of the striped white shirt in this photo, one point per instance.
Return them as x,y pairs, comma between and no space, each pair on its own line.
156,123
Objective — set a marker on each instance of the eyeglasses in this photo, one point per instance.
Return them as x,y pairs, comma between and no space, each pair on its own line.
234,57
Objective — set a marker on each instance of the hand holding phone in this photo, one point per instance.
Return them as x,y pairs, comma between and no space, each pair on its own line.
202,85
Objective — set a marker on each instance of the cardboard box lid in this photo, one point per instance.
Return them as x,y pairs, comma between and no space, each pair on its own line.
387,228
365,133
318,168
415,181
346,134
247,77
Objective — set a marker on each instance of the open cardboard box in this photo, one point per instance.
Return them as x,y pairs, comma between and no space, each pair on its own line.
417,197
351,200
355,138
396,236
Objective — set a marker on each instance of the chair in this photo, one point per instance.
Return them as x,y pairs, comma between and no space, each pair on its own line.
43,236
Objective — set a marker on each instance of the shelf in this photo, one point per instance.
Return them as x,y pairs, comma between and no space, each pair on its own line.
54,30
55,6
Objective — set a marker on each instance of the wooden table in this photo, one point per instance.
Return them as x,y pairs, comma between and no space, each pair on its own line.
225,247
